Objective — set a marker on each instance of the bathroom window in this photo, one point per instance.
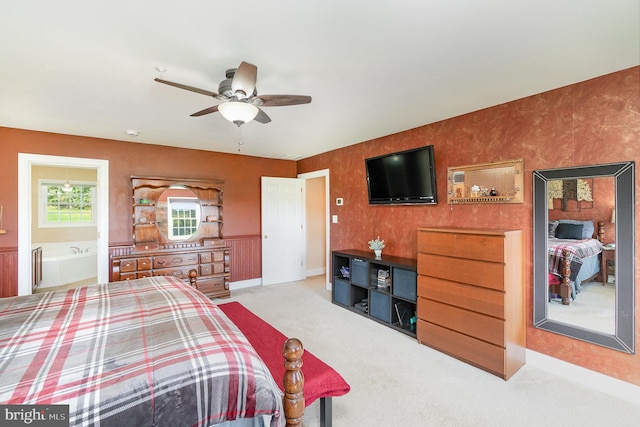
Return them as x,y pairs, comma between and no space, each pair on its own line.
74,208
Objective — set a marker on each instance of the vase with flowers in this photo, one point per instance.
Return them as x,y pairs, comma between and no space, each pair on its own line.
376,246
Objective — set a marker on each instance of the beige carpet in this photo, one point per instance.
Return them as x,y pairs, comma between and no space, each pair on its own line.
397,382
594,308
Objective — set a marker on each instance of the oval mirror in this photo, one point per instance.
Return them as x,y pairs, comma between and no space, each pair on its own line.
178,213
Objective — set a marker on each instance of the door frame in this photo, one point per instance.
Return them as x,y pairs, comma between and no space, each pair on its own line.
316,174
25,215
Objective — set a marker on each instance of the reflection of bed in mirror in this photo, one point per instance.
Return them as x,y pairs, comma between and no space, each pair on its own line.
574,256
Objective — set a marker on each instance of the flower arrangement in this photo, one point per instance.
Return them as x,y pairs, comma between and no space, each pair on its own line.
376,244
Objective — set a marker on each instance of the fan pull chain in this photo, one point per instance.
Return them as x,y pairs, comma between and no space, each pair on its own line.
240,141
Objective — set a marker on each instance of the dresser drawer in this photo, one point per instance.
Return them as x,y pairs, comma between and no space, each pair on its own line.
213,286
141,274
466,322
127,276
127,265
175,260
208,257
219,268
144,264
209,269
205,258
181,272
471,350
479,273
484,247
481,300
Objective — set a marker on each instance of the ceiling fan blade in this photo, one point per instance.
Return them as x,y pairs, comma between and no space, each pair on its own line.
262,117
191,88
205,111
244,80
281,100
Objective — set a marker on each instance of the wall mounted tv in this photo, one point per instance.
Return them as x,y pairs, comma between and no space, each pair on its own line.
406,177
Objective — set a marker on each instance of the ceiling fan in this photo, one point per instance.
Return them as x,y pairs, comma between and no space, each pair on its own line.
241,100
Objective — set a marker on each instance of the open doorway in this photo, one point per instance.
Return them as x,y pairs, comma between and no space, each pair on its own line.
318,231
28,164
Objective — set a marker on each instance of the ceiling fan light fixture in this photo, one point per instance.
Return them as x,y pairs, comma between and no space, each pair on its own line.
67,188
238,112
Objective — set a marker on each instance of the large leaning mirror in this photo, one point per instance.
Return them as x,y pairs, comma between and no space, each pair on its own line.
178,213
584,277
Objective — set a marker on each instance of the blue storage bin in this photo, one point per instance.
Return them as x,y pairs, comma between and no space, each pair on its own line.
341,291
360,272
404,284
379,306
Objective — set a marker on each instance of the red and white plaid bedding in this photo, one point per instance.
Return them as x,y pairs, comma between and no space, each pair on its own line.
151,351
578,250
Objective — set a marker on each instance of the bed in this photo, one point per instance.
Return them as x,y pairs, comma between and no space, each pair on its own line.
574,256
152,351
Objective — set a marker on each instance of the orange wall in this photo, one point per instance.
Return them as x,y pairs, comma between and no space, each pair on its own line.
240,173
597,121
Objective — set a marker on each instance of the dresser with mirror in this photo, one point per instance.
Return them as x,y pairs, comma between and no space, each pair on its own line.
176,227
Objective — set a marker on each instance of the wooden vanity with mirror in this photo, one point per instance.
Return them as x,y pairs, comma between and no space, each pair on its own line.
176,227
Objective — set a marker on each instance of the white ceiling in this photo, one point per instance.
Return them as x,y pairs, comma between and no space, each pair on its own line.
373,68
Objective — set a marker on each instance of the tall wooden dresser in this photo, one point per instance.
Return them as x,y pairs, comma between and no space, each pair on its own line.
471,302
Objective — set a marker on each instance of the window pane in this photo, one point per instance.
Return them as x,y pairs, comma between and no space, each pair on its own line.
70,208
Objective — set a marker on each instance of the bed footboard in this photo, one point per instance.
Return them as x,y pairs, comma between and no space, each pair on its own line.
293,399
564,290
293,382
565,285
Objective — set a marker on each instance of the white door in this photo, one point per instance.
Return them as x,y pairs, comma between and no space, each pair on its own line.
283,230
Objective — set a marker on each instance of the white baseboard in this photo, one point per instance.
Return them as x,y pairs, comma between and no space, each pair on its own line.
592,379
316,271
241,284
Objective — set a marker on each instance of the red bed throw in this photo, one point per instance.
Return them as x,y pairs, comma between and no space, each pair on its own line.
320,380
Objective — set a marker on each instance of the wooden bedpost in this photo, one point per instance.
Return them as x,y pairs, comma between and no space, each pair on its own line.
293,382
565,286
193,278
601,231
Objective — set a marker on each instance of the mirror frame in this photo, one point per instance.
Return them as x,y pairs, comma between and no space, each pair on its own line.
624,176
196,199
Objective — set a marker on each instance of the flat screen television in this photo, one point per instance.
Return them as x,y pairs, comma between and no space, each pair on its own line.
406,177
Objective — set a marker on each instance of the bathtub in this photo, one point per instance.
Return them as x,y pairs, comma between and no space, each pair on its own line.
60,265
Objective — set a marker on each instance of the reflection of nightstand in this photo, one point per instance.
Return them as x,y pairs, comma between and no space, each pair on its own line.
608,261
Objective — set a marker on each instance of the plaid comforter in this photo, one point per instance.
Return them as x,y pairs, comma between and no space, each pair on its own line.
152,352
578,250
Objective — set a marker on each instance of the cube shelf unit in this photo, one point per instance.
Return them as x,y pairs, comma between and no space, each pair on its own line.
359,291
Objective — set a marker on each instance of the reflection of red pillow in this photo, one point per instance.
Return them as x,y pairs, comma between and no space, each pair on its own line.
553,279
